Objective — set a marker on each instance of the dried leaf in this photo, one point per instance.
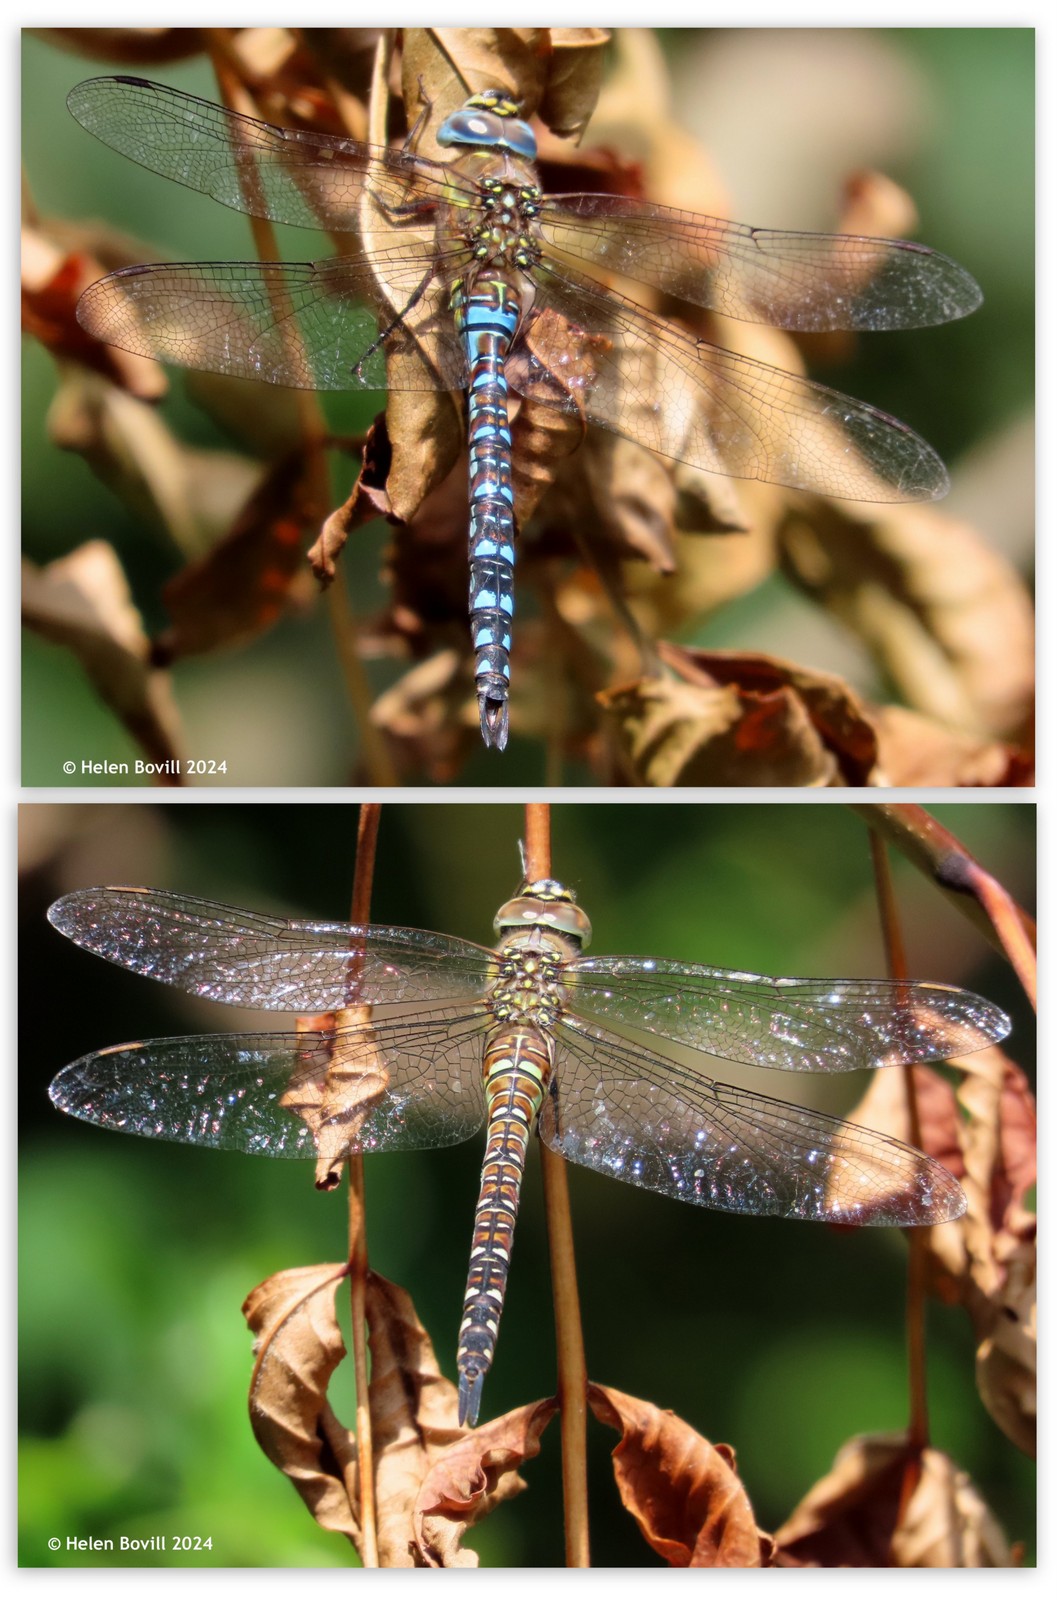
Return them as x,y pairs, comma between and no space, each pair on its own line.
367,500
426,716
574,78
130,46
53,280
414,1414
836,712
986,1260
856,1517
884,1108
245,583
683,1492
336,1105
441,66
948,618
298,1348
916,752
83,603
190,493
472,1478
676,734
743,719
998,1284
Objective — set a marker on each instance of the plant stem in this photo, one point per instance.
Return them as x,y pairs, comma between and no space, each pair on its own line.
572,1366
366,843
918,1421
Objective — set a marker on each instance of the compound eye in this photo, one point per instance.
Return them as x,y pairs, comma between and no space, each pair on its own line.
530,911
471,127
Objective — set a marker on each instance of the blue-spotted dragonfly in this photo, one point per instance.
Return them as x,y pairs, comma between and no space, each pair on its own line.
465,276
519,1037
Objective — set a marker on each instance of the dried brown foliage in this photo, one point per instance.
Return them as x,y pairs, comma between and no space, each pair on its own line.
620,550
860,1515
83,603
683,1492
985,1132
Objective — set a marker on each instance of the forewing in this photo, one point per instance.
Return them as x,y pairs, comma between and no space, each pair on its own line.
310,180
621,1110
714,409
227,1091
796,1024
336,324
802,281
242,958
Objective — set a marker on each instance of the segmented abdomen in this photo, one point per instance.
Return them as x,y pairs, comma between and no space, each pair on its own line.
517,1068
487,320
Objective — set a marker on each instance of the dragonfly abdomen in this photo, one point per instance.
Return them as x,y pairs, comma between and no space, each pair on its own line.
487,319
517,1069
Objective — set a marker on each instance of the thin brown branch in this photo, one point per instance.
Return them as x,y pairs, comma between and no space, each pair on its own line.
572,1366
363,879
312,425
918,1421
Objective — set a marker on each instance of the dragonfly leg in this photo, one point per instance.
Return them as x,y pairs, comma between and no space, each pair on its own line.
397,322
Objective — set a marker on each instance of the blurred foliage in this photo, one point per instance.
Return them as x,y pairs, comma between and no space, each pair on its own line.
785,116
781,1339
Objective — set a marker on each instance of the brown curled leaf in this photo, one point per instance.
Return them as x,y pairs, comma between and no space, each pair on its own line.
414,1414
884,1108
683,1492
948,618
441,66
129,46
742,719
985,1261
424,716
472,1478
343,1087
53,279
859,1514
916,752
677,734
248,580
368,499
574,79
298,1348
83,603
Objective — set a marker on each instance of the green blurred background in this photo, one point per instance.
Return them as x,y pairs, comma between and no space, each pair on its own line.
786,115
781,1338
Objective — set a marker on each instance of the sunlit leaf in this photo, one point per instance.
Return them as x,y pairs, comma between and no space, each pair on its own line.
683,1492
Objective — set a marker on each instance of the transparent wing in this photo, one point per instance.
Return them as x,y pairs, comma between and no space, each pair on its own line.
803,281
710,407
619,1109
306,325
227,1091
310,180
796,1024
244,959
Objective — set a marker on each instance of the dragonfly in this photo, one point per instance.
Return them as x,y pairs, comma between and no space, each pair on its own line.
531,1036
462,275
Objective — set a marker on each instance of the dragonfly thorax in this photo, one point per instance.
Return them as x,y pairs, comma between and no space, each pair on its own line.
503,232
528,989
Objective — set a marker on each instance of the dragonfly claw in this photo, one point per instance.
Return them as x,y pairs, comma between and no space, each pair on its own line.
495,720
471,1382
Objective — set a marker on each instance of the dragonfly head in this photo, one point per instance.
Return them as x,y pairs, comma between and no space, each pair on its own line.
545,904
490,120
